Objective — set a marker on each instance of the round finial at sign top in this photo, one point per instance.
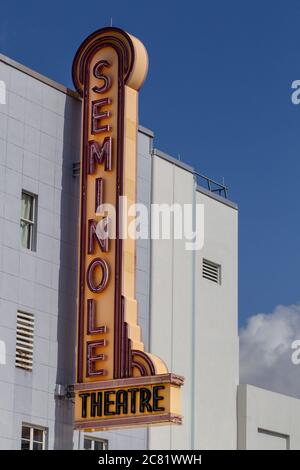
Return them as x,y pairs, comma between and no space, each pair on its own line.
131,52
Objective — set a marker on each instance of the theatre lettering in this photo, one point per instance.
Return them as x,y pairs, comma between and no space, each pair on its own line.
122,401
118,383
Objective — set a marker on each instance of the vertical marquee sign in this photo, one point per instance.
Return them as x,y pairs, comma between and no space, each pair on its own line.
118,383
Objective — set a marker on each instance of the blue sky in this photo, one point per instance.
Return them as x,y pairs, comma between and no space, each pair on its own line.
218,93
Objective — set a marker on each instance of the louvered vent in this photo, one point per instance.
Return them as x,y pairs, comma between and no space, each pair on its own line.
24,342
211,271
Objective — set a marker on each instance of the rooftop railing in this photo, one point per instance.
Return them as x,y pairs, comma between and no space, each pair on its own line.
211,185
202,180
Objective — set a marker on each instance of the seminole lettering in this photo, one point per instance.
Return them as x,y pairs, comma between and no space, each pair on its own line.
99,153
122,402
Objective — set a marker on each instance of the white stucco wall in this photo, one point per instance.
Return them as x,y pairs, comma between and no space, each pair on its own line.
267,420
194,321
216,326
172,301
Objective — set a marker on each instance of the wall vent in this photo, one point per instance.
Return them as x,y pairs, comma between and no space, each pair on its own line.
24,340
76,169
211,271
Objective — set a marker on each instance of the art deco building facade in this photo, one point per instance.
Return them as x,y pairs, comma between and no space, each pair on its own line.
187,299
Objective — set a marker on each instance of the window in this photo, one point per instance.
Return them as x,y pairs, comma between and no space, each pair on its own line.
24,340
28,220
33,437
211,271
95,444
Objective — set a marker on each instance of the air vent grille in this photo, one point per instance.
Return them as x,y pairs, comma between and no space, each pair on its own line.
24,340
211,271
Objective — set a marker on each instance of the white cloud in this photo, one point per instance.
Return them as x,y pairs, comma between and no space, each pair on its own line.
265,350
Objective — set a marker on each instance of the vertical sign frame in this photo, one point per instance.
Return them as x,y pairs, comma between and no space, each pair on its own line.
118,383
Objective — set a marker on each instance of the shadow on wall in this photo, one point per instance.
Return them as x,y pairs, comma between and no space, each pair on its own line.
67,305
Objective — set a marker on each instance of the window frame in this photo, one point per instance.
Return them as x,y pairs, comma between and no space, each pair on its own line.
92,440
34,427
31,223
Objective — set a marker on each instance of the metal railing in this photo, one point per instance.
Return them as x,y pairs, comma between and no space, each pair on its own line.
202,180
211,184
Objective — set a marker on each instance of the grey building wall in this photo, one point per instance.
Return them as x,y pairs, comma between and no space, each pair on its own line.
143,246
193,320
267,420
39,141
216,323
172,290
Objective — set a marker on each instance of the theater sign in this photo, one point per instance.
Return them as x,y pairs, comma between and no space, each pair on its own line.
118,383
